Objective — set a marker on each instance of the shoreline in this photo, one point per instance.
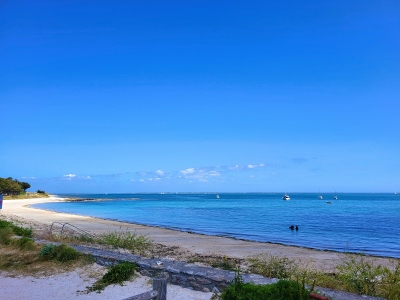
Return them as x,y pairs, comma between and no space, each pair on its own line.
195,243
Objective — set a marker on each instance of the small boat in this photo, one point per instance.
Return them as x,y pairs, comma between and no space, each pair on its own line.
335,197
320,197
286,197
217,196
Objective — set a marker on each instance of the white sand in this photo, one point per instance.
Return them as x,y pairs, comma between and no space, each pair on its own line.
71,284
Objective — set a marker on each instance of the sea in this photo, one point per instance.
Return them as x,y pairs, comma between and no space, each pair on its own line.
356,223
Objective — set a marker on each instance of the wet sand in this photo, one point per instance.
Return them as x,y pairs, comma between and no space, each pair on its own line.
195,243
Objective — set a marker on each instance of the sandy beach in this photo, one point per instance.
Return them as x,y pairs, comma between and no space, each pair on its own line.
194,243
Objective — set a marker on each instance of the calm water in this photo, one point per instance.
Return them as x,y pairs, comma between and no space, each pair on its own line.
367,223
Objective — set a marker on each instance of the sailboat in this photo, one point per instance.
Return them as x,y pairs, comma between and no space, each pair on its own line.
320,196
335,197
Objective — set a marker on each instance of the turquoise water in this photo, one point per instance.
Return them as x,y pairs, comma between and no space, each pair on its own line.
365,223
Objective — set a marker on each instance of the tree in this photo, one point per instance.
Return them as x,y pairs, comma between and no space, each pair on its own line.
10,186
24,185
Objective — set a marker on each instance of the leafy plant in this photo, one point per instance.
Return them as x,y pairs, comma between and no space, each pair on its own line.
47,250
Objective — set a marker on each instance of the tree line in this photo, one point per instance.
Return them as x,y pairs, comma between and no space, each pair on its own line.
11,186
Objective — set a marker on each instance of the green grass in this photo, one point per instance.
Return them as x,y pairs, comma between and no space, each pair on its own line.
125,239
61,253
115,275
223,263
282,290
356,274
17,230
273,266
26,196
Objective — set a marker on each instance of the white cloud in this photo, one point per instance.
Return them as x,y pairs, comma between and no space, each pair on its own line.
252,166
235,167
154,179
70,175
214,173
187,171
160,172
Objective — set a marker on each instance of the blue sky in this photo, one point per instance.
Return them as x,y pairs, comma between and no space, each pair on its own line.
193,96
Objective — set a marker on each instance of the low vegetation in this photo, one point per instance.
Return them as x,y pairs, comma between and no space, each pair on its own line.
21,255
282,290
61,253
115,275
273,266
137,244
15,229
356,274
26,196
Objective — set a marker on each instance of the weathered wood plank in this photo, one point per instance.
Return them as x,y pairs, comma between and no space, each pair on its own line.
144,296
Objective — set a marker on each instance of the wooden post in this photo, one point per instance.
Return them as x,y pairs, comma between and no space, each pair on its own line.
159,291
160,285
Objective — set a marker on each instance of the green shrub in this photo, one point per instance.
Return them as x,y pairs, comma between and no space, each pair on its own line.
22,231
62,253
26,243
282,290
119,273
116,274
47,251
66,253
360,274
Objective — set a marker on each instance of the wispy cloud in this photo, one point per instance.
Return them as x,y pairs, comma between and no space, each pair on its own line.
299,160
75,177
215,174
193,174
70,175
